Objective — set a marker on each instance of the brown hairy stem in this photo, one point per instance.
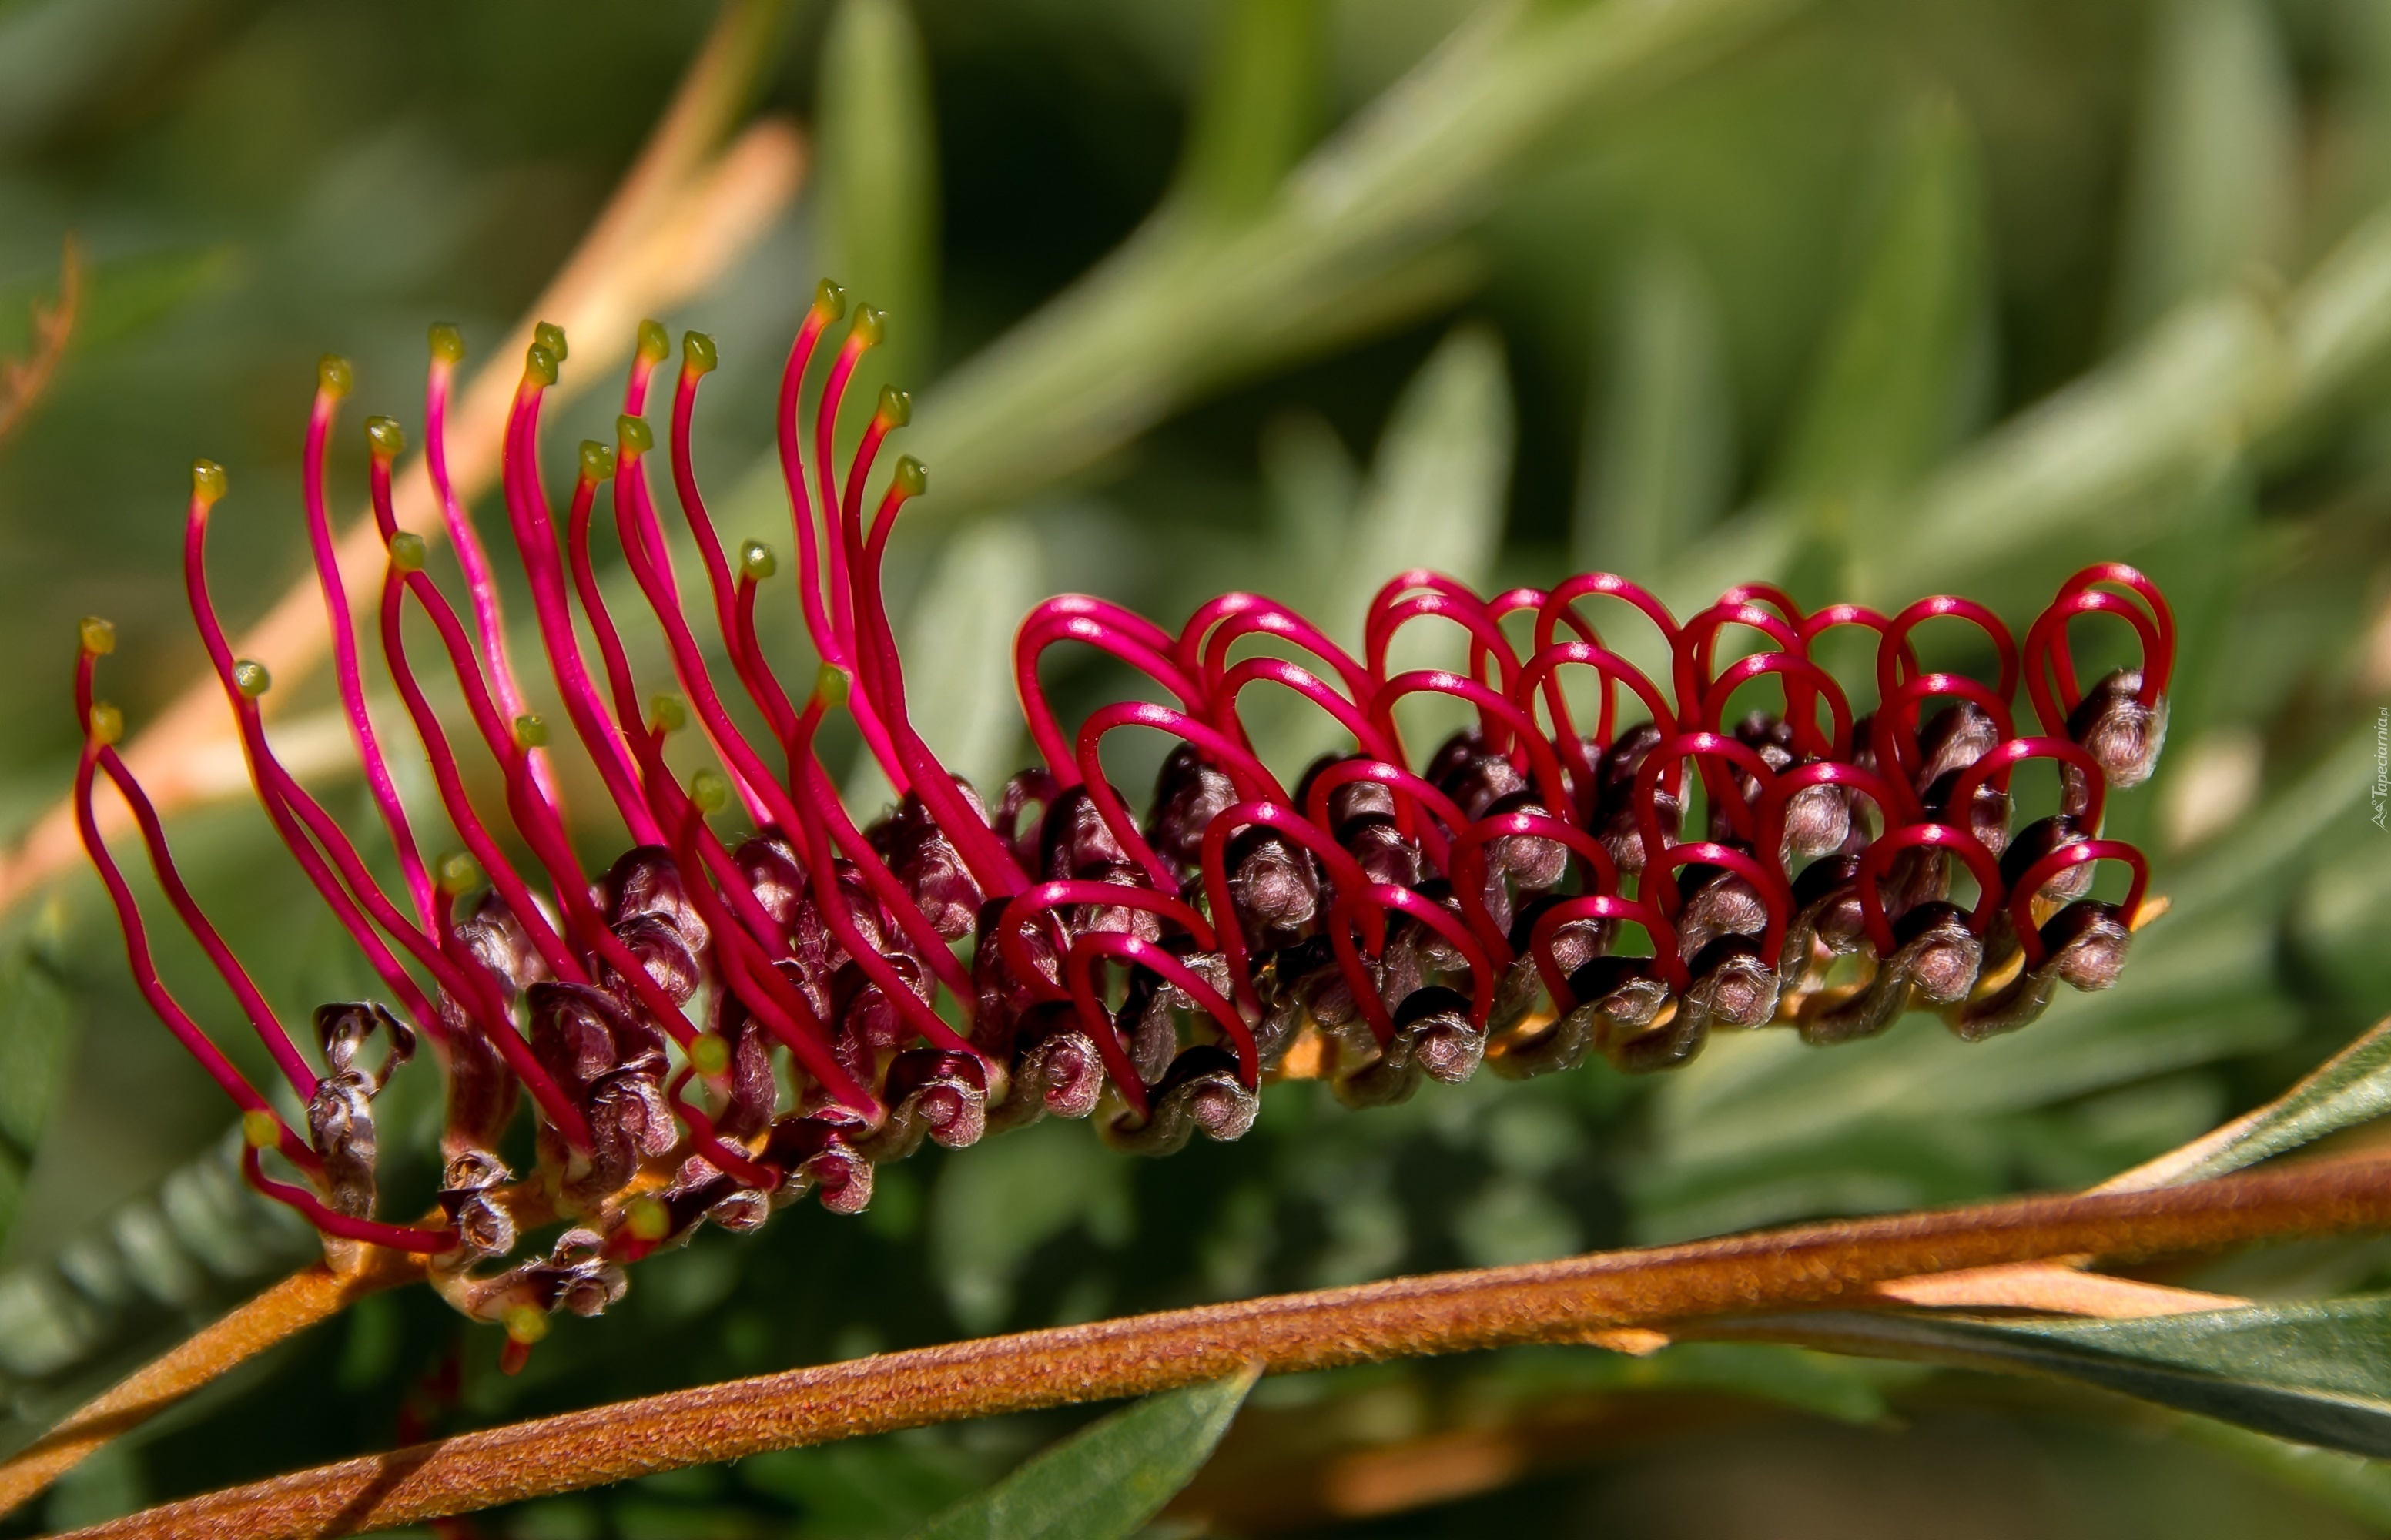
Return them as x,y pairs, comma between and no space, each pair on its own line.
310,1295
679,218
1559,1301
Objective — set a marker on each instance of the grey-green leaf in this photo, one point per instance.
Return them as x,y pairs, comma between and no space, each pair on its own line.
1107,1479
2316,1372
37,1027
879,174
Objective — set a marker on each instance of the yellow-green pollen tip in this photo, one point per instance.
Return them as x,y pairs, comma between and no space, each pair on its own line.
447,344
870,325
250,677
530,732
207,480
757,561
710,790
633,434
830,301
896,407
832,684
551,336
384,438
647,1219
98,635
333,376
539,364
913,479
666,713
456,872
697,354
655,343
261,1129
524,1324
710,1052
106,724
406,552
597,461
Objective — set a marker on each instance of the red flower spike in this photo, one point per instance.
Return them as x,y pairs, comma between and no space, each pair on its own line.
1414,917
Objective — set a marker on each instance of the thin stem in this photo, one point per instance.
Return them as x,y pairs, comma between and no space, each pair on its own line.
1559,1301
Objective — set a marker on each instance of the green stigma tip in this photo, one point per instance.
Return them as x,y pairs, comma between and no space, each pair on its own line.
526,1324
668,714
757,561
406,552
830,300
710,1052
456,872
647,1219
530,732
597,460
896,407
385,438
913,479
655,343
333,375
832,684
447,344
710,790
207,480
98,635
697,354
869,324
633,434
551,337
107,723
539,364
261,1129
250,677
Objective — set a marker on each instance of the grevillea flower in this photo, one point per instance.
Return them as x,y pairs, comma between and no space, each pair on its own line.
714,1028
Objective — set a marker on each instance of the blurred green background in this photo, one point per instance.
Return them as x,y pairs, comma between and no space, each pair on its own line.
1871,298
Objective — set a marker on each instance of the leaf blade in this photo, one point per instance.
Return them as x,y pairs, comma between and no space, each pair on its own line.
1107,1479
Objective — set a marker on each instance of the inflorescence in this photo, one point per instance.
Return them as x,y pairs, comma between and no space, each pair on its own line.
713,1029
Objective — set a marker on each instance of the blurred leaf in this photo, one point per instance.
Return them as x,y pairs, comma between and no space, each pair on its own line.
1008,1196
1144,331
872,1488
38,1023
132,293
1658,446
1904,363
957,653
2352,1087
1437,492
2217,157
879,191
2319,1373
54,53
2357,1486
1259,106
1107,1479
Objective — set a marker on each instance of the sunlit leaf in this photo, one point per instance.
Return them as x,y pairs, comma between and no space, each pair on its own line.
1658,446
1107,1479
1260,105
2217,150
2318,1373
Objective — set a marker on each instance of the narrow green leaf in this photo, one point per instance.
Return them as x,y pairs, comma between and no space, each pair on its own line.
37,1027
2318,1372
1906,360
2215,157
1658,447
1260,105
1109,1480
879,187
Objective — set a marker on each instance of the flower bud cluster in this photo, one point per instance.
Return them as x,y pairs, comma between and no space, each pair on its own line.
717,1027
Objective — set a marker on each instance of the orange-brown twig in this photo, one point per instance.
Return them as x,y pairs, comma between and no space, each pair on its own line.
292,1306
22,380
1443,1312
